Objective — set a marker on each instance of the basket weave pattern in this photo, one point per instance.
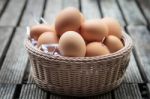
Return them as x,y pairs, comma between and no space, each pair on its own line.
82,76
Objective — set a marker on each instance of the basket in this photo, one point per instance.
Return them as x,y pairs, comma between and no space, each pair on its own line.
79,76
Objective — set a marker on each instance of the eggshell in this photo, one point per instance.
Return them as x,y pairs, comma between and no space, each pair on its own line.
72,44
52,27
82,17
113,43
96,49
82,20
47,38
94,30
114,28
68,19
38,29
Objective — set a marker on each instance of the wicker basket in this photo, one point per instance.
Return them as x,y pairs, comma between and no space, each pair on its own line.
79,76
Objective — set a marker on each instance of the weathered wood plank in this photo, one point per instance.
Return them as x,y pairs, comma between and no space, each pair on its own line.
30,79
145,5
132,74
110,9
127,91
26,73
148,88
90,9
31,91
33,10
5,33
14,65
52,9
2,4
7,91
52,96
70,3
103,96
141,38
132,13
12,13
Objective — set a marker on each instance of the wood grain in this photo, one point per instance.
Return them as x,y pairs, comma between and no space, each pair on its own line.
103,96
31,91
131,12
12,13
14,65
52,9
110,9
15,70
141,38
128,91
148,88
7,91
145,5
6,32
32,12
2,4
132,74
70,3
30,79
90,9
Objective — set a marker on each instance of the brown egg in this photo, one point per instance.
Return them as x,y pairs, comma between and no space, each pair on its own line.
113,43
72,44
114,28
82,17
82,20
94,30
47,38
52,27
68,19
96,49
38,29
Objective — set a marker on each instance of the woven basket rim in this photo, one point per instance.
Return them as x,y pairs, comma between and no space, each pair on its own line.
127,47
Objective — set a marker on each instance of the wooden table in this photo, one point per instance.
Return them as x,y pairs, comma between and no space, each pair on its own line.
15,15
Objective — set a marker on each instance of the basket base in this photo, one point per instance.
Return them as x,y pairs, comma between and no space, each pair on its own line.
78,92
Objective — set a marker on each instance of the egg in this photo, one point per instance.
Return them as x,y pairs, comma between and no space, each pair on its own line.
47,38
114,28
72,44
37,30
68,19
52,27
113,43
96,49
82,20
82,17
94,30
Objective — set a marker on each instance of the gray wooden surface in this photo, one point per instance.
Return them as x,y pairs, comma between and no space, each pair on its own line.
16,81
12,13
131,12
90,9
111,9
32,9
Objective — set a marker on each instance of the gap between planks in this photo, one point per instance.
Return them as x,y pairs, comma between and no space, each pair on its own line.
111,9
28,91
141,38
12,14
3,5
14,65
131,12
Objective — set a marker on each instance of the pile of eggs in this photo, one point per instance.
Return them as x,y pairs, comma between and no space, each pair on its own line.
77,37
